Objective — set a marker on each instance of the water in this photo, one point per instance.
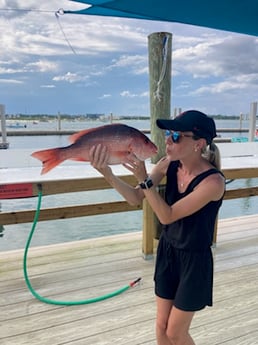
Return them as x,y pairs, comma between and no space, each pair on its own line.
25,142
52,232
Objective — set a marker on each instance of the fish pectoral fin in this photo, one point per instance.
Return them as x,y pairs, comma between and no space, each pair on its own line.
130,152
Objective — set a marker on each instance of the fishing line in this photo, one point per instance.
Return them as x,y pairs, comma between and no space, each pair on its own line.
157,93
51,301
57,14
24,10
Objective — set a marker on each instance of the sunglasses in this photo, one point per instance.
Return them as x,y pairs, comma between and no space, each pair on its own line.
175,136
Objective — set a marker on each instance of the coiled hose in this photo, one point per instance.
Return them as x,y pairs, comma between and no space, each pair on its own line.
51,301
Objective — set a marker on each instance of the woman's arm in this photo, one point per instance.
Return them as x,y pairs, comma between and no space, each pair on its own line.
210,189
133,195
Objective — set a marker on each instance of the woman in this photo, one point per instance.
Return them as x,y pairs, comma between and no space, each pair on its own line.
194,192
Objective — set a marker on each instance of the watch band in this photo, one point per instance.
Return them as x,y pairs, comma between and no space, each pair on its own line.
146,184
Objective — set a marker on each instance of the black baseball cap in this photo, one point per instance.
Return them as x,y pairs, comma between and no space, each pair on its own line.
194,121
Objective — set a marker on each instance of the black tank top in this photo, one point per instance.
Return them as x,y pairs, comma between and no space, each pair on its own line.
194,232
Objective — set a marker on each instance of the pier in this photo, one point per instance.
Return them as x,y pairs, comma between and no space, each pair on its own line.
21,133
90,268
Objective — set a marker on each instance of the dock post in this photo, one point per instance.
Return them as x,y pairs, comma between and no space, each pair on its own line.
1,226
240,121
252,121
149,222
59,121
4,144
159,46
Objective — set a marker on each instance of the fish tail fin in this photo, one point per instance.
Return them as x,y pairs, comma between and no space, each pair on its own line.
50,158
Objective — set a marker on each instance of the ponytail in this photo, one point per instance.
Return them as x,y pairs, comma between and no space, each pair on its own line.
212,154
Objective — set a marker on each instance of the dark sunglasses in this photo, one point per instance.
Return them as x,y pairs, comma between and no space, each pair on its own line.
175,136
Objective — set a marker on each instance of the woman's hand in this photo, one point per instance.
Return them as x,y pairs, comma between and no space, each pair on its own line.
99,158
137,167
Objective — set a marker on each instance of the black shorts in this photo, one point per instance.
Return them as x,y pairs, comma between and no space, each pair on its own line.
186,277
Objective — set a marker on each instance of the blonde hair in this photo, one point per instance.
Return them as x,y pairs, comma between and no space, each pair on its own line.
212,154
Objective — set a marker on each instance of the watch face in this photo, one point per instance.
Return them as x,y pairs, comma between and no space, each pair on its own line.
146,184
149,183
142,185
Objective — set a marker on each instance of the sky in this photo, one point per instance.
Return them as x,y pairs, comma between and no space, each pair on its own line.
77,64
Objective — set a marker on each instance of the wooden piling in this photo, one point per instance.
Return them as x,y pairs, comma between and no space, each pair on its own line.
4,144
252,121
59,121
159,45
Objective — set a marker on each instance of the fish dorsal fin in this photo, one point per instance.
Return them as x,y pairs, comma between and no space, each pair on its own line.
74,137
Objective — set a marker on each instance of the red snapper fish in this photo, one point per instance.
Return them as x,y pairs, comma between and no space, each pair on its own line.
121,141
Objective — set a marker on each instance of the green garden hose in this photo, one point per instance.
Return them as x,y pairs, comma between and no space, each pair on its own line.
50,301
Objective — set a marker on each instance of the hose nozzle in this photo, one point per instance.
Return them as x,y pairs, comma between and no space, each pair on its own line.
136,281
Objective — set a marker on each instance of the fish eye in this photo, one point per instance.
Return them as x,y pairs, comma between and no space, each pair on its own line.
146,140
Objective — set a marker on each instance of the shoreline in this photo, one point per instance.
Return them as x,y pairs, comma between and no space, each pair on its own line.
72,131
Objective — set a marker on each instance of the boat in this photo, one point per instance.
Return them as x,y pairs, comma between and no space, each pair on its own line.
4,145
16,125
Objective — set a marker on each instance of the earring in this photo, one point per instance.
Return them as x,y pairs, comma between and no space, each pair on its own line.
195,149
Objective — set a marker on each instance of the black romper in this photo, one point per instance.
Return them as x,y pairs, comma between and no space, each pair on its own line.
184,264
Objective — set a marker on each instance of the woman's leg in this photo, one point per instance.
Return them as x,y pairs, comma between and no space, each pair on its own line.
178,327
172,325
164,307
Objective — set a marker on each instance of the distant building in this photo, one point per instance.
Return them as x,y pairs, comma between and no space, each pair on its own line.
94,116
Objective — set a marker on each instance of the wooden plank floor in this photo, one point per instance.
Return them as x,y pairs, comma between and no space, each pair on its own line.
91,268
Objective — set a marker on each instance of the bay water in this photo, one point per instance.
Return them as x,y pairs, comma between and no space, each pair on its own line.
74,229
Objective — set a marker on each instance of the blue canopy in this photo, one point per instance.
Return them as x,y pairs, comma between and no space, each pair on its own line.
230,15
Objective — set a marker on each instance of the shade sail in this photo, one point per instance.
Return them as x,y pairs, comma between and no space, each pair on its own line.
239,16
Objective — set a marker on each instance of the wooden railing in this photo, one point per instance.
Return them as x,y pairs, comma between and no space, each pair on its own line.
99,183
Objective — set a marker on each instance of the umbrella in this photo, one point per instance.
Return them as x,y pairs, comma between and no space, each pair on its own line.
239,16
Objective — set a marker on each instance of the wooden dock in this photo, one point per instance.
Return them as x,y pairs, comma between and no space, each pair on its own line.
85,269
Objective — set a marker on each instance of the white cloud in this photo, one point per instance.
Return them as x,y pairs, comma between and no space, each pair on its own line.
219,57
70,77
105,96
11,70
129,64
48,86
128,94
10,81
210,69
133,95
43,66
